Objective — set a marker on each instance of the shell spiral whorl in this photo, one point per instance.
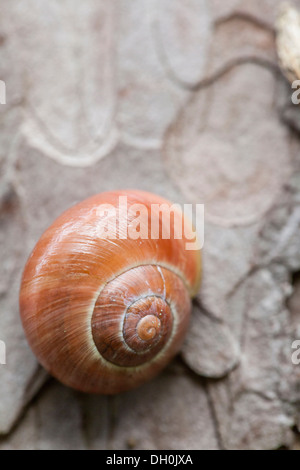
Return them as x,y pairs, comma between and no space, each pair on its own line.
132,327
105,316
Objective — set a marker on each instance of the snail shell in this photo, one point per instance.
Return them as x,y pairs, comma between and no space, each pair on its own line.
103,315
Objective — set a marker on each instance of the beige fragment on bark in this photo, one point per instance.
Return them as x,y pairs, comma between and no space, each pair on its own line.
288,41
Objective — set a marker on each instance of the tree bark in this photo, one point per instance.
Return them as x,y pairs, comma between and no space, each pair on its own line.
185,99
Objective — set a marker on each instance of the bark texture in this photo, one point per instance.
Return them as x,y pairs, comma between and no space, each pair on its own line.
184,99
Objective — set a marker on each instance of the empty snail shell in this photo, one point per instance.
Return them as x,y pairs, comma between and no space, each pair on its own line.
105,314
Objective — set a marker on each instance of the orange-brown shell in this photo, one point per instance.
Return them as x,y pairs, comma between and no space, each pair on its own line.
106,315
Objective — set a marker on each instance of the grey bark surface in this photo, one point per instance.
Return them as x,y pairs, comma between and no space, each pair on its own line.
184,99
